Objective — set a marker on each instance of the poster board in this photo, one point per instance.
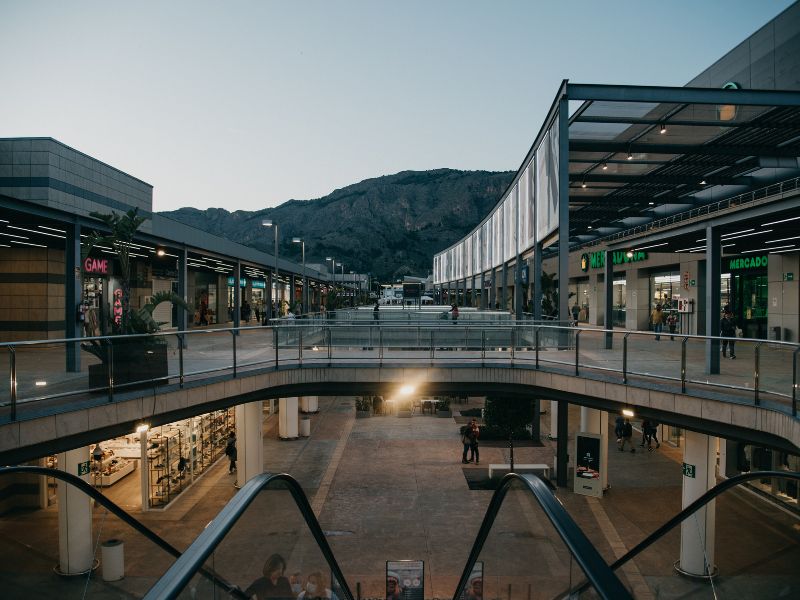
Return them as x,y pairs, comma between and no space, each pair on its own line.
405,580
474,588
587,480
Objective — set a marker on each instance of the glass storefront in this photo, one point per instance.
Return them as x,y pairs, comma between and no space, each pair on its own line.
747,295
618,306
755,458
579,295
666,290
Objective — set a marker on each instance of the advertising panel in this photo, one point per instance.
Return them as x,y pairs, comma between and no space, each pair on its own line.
405,579
587,481
547,183
474,588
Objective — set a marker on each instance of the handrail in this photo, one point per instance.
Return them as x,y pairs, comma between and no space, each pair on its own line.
687,512
112,507
181,572
599,574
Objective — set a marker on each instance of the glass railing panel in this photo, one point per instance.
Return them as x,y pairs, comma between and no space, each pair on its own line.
269,552
496,341
288,338
600,350
125,563
523,555
42,372
775,373
207,351
557,345
255,347
753,550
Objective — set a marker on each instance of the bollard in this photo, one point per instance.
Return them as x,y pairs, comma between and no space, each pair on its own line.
112,553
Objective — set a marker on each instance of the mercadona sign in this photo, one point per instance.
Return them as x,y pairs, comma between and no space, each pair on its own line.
747,263
597,260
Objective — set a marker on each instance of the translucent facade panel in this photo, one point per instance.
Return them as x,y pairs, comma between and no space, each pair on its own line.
495,238
547,182
531,203
508,227
486,245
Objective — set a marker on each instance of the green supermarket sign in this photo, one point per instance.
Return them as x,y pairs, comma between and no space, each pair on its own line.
747,263
597,260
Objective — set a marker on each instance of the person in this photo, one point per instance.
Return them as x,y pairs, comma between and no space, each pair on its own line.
672,323
475,590
652,434
473,433
454,313
272,584
727,329
645,433
619,429
230,452
465,441
627,434
657,319
375,310
245,311
257,311
314,588
393,589
289,314
296,583
575,312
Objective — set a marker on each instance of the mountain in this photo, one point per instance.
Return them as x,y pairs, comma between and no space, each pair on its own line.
389,226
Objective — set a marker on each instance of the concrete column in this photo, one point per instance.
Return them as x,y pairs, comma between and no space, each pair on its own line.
73,295
637,293
309,404
553,419
596,421
608,295
182,289
492,288
697,532
292,291
713,275
518,288
473,295
537,283
249,441
237,294
536,425
74,517
563,209
144,472
288,418
562,450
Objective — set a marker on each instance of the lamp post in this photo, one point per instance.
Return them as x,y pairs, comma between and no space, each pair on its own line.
302,243
269,223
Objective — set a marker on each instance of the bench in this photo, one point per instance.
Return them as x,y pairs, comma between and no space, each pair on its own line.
500,470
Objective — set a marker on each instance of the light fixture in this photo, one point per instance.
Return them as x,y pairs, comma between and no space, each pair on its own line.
406,390
142,428
650,203
630,155
781,221
605,166
583,184
703,182
41,383
662,129
589,227
627,412
629,254
161,252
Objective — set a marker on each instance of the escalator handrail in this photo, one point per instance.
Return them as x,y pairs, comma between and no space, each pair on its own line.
599,574
690,509
173,582
112,507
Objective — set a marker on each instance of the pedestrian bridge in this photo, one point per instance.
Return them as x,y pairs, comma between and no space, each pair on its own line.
168,376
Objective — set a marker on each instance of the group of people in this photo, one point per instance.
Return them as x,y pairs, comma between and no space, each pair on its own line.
275,584
469,439
624,432
657,320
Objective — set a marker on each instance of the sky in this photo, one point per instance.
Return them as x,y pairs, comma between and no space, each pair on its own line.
247,104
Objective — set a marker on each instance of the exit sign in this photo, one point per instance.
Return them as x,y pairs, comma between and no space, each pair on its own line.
83,468
688,470
788,276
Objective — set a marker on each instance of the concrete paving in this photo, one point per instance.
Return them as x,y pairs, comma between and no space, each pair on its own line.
390,488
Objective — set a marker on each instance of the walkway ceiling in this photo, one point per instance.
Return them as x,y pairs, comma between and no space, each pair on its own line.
637,154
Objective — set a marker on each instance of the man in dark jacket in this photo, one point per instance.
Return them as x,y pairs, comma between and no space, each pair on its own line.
230,452
727,329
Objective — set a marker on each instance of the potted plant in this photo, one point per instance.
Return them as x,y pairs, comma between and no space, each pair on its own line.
134,359
363,407
443,408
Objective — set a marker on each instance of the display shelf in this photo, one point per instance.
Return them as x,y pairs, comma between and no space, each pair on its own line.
106,480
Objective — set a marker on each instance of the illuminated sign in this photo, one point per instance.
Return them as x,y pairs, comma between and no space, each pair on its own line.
747,263
258,284
597,260
118,306
242,281
98,266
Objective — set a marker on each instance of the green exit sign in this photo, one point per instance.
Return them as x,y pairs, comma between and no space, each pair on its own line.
688,470
83,468
788,276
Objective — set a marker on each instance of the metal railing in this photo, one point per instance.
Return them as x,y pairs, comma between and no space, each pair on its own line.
37,369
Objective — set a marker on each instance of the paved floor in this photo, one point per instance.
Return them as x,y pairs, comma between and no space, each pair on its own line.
390,488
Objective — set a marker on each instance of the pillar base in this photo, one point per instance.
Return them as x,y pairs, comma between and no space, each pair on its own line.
57,570
288,439
677,567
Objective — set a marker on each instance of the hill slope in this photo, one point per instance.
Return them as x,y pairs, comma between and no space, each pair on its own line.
388,226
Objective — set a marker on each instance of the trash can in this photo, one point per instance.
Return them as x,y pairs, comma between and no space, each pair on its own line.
305,427
776,334
112,553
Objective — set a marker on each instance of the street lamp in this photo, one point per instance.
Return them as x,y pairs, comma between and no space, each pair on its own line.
302,243
269,223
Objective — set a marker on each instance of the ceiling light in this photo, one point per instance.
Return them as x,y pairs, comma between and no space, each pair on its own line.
583,184
781,221
41,383
589,227
703,182
736,237
142,428
605,166
663,129
768,249
406,390
627,412
650,246
630,156
161,252
629,254
797,237
737,232
651,203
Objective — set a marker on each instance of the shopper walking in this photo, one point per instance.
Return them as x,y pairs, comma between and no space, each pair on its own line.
454,313
727,329
657,319
474,433
465,442
672,323
375,315
652,435
627,434
645,432
230,452
619,429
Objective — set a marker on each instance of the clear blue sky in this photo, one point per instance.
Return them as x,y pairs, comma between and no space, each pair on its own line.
245,105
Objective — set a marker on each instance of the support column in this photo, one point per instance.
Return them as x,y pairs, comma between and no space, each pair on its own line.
596,421
492,288
536,425
249,441
608,289
504,290
74,517
563,209
518,288
181,289
484,291
537,283
73,295
237,294
553,419
293,290
269,300
697,531
713,277
562,450
288,418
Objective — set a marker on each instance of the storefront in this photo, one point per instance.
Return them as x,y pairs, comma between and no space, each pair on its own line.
579,297
205,298
745,288
618,303
745,458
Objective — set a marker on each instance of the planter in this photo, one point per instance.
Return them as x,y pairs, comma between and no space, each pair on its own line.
444,414
363,414
134,361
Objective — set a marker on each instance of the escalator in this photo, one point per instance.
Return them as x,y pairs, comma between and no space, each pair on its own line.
267,541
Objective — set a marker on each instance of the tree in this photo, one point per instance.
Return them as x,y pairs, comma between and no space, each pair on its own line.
508,417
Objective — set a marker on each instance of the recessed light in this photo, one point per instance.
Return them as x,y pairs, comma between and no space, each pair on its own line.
781,221
41,383
663,129
651,203
703,182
